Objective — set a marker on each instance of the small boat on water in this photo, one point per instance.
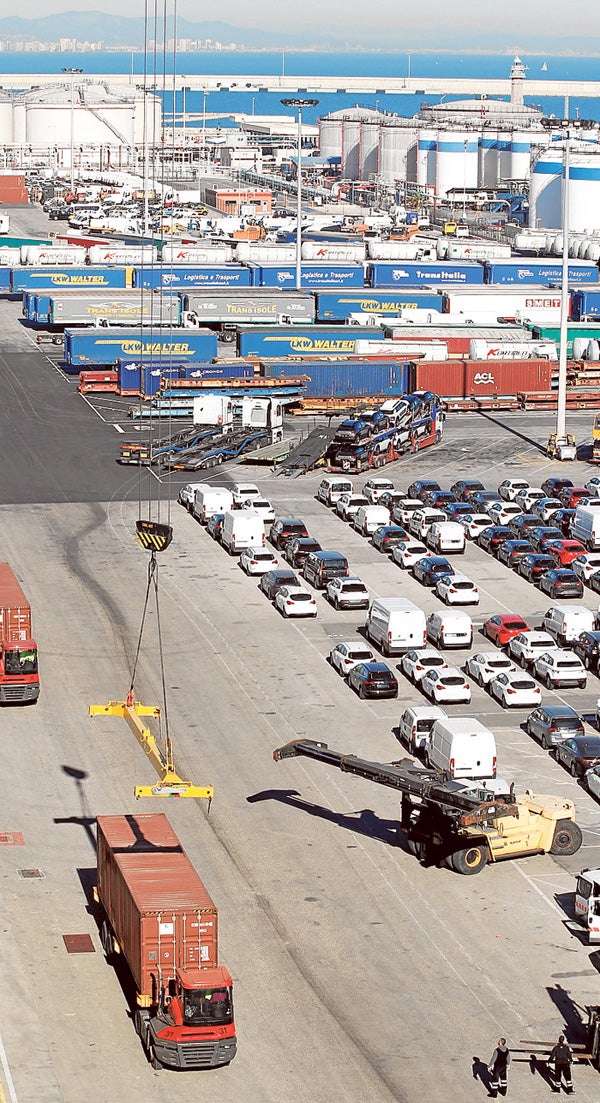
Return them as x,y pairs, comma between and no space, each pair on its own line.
545,67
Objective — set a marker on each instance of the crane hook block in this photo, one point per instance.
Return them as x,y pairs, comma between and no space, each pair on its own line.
153,536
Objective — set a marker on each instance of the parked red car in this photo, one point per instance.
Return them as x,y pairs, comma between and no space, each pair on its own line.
564,551
570,495
501,628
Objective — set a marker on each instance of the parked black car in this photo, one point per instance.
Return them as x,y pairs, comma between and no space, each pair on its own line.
553,486
421,487
534,566
297,549
579,753
543,532
464,486
522,524
491,538
587,646
511,552
286,529
373,680
272,581
562,519
430,569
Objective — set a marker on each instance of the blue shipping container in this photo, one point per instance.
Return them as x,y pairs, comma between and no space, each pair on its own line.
585,304
422,274
543,272
348,378
236,370
313,275
131,377
299,341
5,279
333,307
178,277
84,349
31,279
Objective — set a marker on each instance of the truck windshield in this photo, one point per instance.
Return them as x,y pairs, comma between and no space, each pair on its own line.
207,1006
20,662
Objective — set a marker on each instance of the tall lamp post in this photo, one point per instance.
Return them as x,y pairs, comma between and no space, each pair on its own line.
72,73
567,128
300,104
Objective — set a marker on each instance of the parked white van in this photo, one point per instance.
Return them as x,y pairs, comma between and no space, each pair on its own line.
450,628
187,492
210,500
396,624
585,526
369,518
332,487
447,538
422,520
565,622
463,747
242,528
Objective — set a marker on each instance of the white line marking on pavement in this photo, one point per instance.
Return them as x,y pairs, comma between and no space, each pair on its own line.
7,1073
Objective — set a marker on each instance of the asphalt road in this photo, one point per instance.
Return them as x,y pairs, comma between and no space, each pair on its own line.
359,974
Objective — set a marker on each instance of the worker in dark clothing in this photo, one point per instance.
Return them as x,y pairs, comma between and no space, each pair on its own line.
562,1058
498,1067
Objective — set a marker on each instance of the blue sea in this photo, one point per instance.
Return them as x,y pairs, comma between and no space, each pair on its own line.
269,63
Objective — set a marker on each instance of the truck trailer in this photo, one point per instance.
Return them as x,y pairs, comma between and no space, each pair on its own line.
144,308
157,913
224,310
19,678
102,347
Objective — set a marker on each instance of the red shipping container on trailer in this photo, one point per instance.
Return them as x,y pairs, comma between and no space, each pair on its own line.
472,378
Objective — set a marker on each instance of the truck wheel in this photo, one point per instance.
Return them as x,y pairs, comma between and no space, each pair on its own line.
471,860
106,940
153,1059
567,838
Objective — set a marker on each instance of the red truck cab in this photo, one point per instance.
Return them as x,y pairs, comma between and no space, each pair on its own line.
19,678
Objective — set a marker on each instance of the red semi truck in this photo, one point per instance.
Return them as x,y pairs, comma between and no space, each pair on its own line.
158,914
19,678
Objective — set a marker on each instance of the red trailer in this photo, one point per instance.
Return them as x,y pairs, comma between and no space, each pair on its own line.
159,915
19,678
474,378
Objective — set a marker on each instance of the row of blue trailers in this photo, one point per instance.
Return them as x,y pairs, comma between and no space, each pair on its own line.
376,275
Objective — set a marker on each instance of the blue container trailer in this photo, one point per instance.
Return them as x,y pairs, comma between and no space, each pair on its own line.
347,378
585,304
84,349
267,341
337,307
179,277
423,274
312,275
33,279
5,279
544,272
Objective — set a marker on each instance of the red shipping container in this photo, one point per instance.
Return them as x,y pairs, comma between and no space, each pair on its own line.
472,378
15,610
156,903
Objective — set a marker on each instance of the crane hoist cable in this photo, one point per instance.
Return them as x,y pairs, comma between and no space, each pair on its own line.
154,536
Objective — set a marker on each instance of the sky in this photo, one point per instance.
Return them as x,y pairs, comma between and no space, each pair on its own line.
512,17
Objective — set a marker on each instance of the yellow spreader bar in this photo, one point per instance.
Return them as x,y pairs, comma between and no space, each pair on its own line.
170,784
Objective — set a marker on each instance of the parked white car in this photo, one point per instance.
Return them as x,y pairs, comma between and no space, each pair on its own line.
403,510
474,523
346,655
449,685
525,647
486,665
295,601
349,504
545,508
262,506
502,513
586,565
347,593
457,589
526,498
257,560
406,553
560,668
513,689
374,488
593,484
509,489
415,663
415,724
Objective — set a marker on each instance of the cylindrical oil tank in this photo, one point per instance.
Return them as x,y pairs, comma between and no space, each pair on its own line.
504,155
6,119
488,159
330,136
351,135
369,149
395,142
19,128
427,141
456,160
520,154
584,190
545,191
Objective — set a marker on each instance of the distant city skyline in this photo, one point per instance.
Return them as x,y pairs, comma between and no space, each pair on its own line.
443,25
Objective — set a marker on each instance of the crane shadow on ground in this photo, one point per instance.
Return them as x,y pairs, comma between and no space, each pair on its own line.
363,821
503,424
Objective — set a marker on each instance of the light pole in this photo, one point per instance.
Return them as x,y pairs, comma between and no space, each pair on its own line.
183,90
72,73
299,104
567,127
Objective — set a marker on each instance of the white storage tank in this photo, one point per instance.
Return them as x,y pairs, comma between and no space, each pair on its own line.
456,160
488,159
369,149
331,135
351,143
504,155
6,119
545,191
427,144
520,153
584,190
395,144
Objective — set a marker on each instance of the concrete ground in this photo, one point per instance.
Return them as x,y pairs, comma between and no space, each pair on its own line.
359,974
